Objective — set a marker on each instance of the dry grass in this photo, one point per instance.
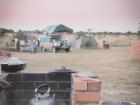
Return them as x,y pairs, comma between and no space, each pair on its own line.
119,74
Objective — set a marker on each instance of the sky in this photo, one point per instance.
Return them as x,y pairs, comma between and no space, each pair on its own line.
80,15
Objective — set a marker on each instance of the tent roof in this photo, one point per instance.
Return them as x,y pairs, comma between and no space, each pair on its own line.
57,28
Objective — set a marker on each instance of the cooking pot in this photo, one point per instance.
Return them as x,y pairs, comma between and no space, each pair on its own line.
12,64
13,67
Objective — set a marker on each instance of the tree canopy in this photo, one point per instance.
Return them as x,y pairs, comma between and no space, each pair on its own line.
3,31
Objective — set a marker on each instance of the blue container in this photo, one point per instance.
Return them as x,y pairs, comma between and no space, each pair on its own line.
32,48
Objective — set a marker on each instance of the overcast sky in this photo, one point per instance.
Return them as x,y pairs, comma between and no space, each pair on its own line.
98,15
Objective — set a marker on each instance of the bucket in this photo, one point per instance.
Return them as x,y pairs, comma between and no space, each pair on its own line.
118,103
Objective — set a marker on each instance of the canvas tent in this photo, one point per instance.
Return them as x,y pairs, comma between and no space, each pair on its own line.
86,42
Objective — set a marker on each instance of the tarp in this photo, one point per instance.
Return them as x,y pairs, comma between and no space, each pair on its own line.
43,39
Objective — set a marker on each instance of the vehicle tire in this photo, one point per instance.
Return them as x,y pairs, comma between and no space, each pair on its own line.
68,50
54,50
46,50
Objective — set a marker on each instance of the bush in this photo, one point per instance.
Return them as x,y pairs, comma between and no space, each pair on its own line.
138,34
21,35
9,48
120,43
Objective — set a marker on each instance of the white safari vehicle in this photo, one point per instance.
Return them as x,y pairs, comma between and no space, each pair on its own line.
54,43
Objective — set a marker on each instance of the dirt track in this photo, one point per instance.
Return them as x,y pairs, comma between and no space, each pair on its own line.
119,74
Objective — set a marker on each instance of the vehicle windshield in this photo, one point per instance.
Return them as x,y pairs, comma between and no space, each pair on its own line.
56,38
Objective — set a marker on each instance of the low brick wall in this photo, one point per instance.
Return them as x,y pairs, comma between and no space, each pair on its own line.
135,49
87,91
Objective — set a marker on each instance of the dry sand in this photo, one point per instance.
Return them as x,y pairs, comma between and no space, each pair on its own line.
119,74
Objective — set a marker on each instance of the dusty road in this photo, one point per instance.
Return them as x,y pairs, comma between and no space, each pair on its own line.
119,74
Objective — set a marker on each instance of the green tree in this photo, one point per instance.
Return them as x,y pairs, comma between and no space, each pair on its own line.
3,31
138,32
129,33
21,35
37,31
80,33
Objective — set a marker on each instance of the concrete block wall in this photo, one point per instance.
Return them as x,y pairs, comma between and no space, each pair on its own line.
24,85
3,92
87,91
3,97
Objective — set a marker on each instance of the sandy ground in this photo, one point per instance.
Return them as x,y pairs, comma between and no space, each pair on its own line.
119,74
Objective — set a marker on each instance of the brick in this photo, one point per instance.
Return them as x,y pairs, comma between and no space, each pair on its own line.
92,104
21,95
34,77
64,86
23,85
80,85
94,85
135,49
87,97
85,78
86,104
14,77
3,93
